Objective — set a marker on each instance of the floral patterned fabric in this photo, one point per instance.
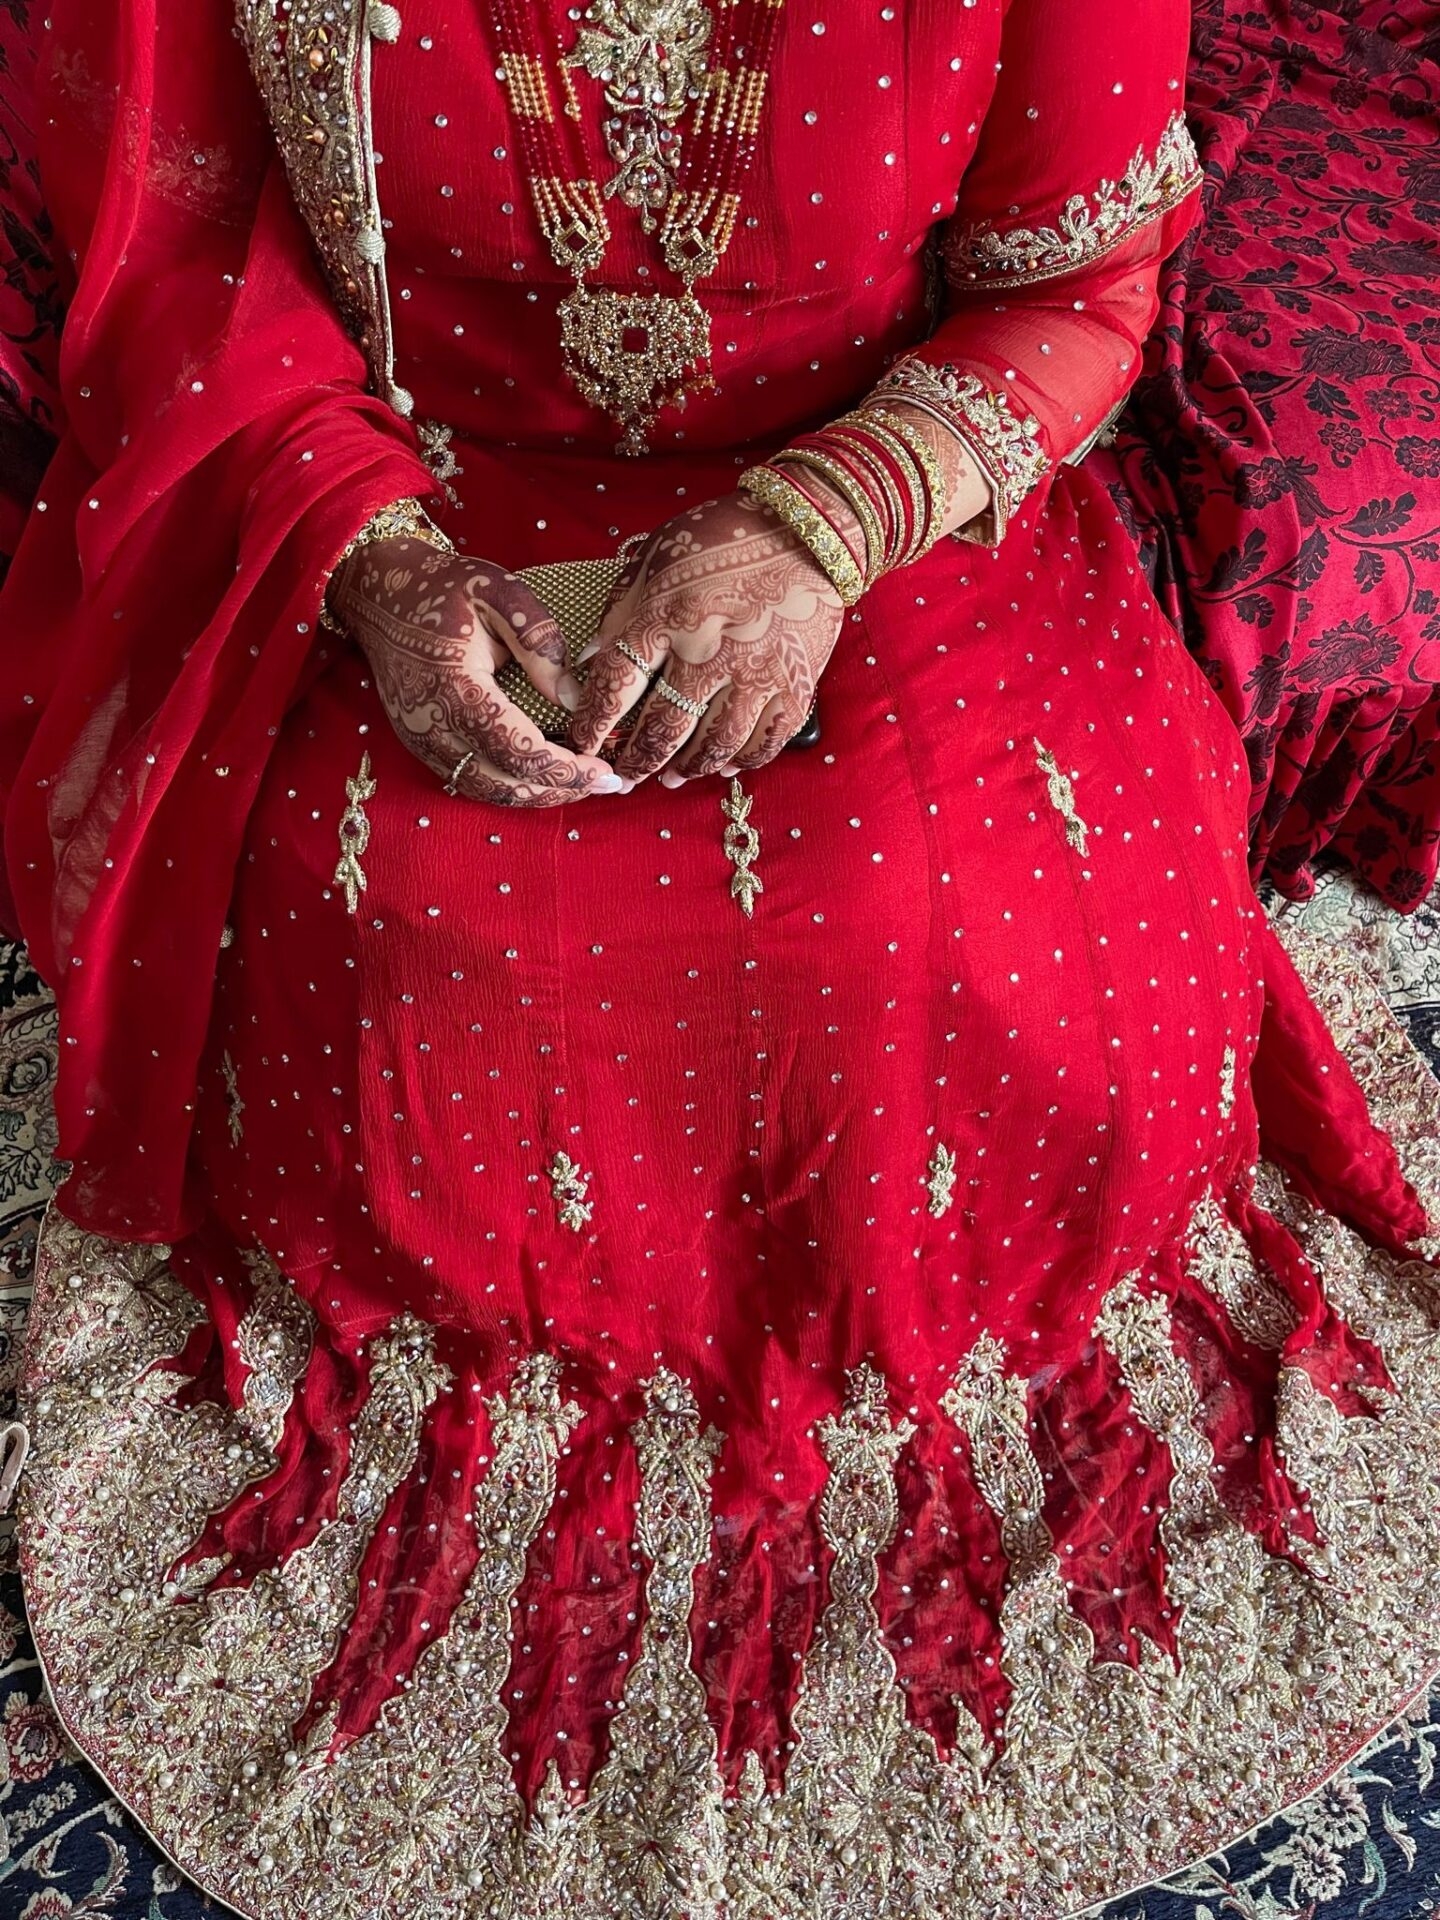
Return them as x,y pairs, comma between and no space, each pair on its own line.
1282,455
1367,1844
30,304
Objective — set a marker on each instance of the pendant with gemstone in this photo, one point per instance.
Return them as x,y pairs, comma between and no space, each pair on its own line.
631,354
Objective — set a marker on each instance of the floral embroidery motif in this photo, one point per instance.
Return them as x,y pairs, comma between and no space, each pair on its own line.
1007,448
1228,1064
742,847
438,455
1221,1260
311,60
940,1178
1106,1772
1085,229
355,835
232,1094
274,1339
568,1188
1062,797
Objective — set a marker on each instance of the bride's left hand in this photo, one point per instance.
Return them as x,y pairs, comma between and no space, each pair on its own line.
736,617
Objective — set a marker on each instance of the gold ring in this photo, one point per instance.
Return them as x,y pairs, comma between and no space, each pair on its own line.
452,785
693,707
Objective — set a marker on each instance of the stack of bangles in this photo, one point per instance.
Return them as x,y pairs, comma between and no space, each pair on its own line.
886,471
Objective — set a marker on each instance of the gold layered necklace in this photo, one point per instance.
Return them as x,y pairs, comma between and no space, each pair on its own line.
660,64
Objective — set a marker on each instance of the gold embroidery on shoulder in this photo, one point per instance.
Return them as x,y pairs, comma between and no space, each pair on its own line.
1150,186
568,1188
355,835
1222,1261
940,1178
1062,798
742,846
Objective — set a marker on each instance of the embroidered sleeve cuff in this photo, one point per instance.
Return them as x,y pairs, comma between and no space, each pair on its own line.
1006,447
1085,228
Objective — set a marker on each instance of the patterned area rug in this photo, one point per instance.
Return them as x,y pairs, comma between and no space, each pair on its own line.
1367,1845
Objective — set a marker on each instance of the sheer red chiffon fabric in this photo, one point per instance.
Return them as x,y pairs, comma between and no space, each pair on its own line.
219,450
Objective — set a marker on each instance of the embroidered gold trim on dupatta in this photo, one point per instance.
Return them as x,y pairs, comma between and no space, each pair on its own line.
187,1694
311,60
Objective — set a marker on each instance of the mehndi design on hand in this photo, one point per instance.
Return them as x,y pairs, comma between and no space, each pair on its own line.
436,628
731,611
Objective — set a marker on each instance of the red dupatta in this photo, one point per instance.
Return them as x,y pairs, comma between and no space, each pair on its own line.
160,615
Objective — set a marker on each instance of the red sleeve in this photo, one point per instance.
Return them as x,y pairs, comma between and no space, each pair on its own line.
1083,181
220,448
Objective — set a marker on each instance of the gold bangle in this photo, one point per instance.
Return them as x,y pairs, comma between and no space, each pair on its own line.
853,494
929,464
862,447
921,513
771,489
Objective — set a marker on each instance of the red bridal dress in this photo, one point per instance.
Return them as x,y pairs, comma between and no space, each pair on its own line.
858,1344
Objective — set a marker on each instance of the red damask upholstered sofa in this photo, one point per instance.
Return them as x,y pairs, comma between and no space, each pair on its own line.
1280,460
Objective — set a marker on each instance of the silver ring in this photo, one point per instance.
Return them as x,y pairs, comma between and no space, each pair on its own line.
693,707
647,667
452,785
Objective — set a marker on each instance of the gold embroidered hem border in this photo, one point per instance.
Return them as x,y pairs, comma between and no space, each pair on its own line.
1085,229
186,1695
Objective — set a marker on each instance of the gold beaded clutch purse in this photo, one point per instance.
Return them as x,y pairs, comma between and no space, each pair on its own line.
577,592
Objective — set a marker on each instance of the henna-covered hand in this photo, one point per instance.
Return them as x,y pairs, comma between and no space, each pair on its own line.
727,607
436,628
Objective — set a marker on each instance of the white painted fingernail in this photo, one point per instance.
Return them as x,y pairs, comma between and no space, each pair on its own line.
608,783
567,692
669,779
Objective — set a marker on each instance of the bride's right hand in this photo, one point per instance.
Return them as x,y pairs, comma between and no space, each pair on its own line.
436,628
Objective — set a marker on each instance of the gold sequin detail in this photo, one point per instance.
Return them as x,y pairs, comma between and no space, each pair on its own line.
742,847
355,835
232,1095
568,1188
1007,445
1228,1064
940,1178
1062,798
312,64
